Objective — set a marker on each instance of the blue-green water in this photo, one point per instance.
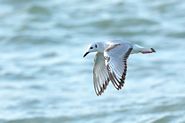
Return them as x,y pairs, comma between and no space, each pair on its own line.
44,79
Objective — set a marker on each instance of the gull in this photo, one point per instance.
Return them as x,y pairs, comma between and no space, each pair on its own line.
110,62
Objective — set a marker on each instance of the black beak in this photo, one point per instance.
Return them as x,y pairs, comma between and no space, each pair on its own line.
86,54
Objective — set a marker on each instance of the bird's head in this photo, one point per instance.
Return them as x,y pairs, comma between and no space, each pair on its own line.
95,47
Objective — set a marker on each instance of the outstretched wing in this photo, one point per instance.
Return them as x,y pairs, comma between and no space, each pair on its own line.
100,74
116,56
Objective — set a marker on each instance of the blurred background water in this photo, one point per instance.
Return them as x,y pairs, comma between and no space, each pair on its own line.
44,79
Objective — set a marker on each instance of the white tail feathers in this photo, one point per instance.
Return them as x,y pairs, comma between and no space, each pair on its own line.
151,50
140,49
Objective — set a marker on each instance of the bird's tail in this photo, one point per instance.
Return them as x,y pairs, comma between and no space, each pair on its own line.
140,49
146,51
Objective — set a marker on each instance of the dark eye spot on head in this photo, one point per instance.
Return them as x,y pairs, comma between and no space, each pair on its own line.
96,45
91,47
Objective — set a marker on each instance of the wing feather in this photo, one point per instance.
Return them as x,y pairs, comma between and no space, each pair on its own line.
100,74
116,63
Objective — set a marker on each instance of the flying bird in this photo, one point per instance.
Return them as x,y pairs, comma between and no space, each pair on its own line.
110,62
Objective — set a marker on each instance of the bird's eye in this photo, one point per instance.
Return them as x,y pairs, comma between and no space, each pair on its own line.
96,45
91,47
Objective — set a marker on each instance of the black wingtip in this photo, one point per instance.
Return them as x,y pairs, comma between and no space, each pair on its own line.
153,50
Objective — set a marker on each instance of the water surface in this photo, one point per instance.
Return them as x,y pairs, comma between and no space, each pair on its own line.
43,77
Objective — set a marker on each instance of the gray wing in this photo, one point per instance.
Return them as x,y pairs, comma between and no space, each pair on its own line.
116,62
100,74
